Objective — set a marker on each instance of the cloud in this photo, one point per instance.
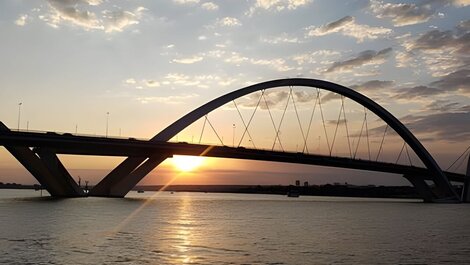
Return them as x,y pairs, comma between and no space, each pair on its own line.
417,92
277,5
78,13
229,22
130,81
172,100
348,27
451,126
409,14
189,60
368,57
373,86
455,81
210,6
283,38
316,57
441,51
184,2
22,20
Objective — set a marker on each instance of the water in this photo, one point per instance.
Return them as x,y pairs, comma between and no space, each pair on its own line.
204,228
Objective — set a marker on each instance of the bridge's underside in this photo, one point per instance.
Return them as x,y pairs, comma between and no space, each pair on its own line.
83,145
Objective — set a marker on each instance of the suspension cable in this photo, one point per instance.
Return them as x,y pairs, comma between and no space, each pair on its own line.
249,122
298,119
359,140
272,121
203,126
336,129
310,124
403,147
381,143
367,132
323,119
280,122
468,148
346,125
208,121
408,154
243,120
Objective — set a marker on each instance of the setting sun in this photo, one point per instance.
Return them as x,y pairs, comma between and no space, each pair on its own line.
187,163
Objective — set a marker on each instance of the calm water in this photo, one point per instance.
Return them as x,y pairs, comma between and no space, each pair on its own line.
198,228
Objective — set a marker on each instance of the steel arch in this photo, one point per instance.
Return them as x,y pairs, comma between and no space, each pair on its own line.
133,169
439,177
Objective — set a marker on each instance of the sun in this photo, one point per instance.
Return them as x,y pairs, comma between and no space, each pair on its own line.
187,163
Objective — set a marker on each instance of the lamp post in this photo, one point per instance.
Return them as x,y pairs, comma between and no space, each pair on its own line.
19,114
107,123
233,136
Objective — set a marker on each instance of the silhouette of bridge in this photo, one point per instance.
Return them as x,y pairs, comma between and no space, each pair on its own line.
37,151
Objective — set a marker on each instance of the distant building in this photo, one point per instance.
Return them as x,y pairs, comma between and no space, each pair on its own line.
306,184
297,183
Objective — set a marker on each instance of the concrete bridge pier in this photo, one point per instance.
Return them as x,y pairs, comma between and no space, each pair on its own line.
421,187
119,182
466,184
47,169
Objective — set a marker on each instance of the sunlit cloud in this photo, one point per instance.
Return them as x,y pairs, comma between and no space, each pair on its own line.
277,5
404,14
22,20
229,22
84,14
189,60
183,2
210,6
171,100
348,27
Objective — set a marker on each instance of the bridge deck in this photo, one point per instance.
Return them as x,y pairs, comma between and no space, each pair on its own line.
102,146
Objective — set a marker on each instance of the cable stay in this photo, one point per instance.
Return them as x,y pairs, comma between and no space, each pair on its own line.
310,124
336,129
272,121
203,126
213,129
367,132
243,121
249,122
464,152
346,125
323,119
401,151
298,119
359,140
280,123
381,143
408,154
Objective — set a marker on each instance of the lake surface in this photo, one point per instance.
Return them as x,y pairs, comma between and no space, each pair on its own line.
205,228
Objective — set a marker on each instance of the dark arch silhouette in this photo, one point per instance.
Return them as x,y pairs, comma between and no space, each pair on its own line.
128,173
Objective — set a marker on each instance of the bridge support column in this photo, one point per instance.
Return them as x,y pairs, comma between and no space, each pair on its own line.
118,185
103,188
421,187
466,184
58,185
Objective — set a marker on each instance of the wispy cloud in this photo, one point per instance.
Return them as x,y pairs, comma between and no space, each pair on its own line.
368,57
228,22
210,6
348,27
83,14
403,14
172,100
189,60
22,20
276,5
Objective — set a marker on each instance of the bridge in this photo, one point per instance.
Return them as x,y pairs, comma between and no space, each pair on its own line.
37,151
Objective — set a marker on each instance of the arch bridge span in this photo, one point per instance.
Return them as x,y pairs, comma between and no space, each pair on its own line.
124,177
143,157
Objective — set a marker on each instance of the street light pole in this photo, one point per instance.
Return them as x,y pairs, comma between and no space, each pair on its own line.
233,136
19,114
107,123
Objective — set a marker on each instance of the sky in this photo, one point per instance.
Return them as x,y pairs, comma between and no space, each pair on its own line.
131,68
